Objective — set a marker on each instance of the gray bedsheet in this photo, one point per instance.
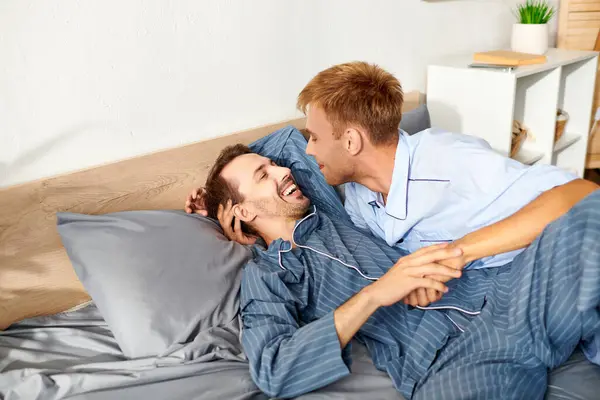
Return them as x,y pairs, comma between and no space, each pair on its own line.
74,355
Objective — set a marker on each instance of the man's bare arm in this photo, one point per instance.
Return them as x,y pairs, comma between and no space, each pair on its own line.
400,280
352,315
512,233
521,228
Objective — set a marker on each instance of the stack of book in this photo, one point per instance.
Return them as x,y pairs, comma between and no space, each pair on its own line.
504,59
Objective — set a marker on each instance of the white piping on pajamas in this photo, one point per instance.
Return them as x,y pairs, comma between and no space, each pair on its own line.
340,261
455,324
357,270
319,252
449,307
293,233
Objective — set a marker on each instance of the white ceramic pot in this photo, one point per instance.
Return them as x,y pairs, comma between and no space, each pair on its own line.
530,38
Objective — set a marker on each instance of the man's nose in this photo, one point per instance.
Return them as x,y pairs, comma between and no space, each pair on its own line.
309,148
282,173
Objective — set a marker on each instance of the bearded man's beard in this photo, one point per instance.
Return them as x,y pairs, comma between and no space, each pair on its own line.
282,209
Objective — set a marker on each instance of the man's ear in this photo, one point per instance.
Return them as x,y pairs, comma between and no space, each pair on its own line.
353,141
243,214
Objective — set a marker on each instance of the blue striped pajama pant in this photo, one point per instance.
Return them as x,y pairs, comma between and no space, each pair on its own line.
538,311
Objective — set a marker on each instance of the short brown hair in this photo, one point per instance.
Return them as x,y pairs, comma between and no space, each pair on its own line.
218,189
357,93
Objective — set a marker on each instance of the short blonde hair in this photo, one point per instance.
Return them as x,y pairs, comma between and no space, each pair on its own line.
357,93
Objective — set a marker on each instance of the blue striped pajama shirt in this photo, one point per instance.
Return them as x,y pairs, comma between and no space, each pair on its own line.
494,335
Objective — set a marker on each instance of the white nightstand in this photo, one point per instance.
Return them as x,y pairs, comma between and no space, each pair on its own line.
484,103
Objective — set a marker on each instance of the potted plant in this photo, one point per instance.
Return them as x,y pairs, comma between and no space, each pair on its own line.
530,34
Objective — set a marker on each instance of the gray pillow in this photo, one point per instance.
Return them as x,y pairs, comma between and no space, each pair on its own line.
416,120
160,279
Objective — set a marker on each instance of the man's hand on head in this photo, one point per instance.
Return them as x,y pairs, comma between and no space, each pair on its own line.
195,202
232,227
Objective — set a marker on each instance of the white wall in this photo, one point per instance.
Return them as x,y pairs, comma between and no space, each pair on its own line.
86,83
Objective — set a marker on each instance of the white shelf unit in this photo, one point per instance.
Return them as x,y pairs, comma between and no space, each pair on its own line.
484,103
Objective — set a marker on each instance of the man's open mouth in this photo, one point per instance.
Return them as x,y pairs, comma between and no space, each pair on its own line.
289,189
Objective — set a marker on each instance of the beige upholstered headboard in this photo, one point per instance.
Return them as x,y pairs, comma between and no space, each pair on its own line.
36,277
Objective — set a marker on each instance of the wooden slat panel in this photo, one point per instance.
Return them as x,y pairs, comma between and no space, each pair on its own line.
579,42
584,24
584,16
594,147
592,32
593,161
563,24
578,27
584,7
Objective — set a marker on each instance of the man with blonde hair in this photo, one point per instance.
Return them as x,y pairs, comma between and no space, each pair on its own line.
428,188
431,187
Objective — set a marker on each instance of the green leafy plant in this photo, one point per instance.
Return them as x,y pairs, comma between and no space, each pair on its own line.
534,12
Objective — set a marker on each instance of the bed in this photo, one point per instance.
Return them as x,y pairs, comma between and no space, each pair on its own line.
56,342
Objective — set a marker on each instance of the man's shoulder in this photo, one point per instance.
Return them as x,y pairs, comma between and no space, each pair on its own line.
256,273
267,262
433,138
259,265
263,277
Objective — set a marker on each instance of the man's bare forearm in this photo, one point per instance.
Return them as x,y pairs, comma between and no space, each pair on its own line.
408,274
352,315
521,228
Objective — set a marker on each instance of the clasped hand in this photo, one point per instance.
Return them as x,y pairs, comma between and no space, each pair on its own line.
420,271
